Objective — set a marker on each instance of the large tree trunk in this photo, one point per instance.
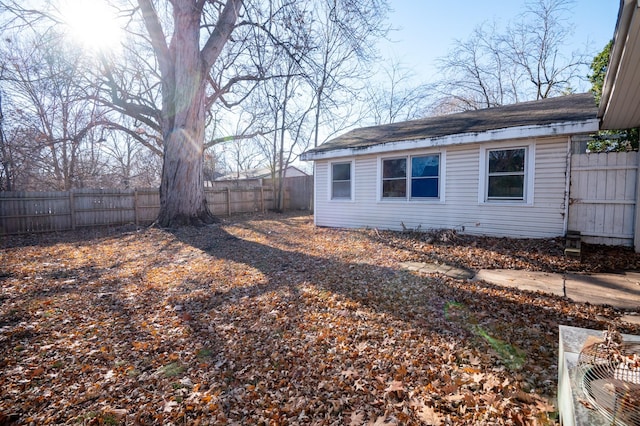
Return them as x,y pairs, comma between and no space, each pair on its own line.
182,198
184,68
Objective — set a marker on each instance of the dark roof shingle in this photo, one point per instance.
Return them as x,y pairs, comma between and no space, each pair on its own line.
579,107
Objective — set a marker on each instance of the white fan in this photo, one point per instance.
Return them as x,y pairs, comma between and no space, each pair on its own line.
609,374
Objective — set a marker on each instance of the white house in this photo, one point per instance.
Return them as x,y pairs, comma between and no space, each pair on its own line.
251,178
261,173
500,171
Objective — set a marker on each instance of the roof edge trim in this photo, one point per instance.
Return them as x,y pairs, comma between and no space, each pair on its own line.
625,14
522,132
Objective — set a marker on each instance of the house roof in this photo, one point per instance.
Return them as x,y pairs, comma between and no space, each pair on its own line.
569,114
619,105
259,173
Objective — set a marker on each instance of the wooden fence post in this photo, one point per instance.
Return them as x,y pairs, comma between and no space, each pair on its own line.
262,199
228,201
135,206
72,209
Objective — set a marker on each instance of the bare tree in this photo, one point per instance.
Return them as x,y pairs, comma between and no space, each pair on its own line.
52,109
175,45
129,164
181,58
393,96
6,157
477,72
523,62
290,115
343,36
148,169
534,46
188,41
243,154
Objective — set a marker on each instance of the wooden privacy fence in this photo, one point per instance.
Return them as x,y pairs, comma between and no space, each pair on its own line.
26,212
298,192
602,197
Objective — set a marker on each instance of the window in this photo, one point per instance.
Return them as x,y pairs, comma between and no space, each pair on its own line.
422,181
506,174
341,181
425,173
394,178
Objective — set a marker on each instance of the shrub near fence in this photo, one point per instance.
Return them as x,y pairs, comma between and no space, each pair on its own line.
27,212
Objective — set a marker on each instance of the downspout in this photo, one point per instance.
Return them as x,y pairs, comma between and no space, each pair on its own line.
567,188
636,223
315,197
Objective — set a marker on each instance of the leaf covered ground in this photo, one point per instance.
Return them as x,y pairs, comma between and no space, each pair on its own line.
269,320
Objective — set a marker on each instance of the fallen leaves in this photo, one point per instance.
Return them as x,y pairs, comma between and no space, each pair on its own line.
269,320
426,414
478,252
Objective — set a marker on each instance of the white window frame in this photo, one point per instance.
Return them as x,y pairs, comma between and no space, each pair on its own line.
529,174
381,177
352,175
408,198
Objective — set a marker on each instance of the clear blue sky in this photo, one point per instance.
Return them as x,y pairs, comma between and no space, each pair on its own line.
427,29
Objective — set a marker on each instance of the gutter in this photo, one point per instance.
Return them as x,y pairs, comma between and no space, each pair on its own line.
509,133
619,42
567,188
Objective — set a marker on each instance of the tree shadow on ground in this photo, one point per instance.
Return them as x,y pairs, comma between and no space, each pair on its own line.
419,302
278,324
46,239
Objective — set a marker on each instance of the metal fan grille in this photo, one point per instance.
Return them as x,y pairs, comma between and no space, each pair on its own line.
610,380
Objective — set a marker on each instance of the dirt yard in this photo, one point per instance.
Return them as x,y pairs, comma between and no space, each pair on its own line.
266,319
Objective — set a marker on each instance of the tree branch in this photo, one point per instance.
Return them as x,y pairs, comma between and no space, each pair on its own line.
221,33
243,136
158,38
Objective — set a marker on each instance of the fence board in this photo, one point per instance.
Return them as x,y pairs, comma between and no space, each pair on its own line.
300,191
148,205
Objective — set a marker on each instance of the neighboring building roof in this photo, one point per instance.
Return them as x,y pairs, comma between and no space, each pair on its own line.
553,116
261,173
620,105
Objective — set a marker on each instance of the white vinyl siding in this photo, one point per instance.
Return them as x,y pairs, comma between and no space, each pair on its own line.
541,216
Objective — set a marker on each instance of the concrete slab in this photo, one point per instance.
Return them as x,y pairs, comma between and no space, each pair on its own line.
438,268
621,291
631,319
524,280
